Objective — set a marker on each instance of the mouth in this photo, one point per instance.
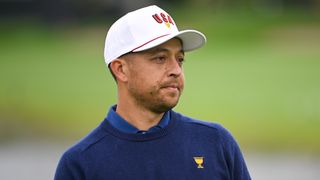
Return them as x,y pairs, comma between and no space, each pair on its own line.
171,87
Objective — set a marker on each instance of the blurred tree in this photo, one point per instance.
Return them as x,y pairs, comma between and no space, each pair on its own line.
77,10
269,6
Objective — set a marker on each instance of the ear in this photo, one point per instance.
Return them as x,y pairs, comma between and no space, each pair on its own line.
120,69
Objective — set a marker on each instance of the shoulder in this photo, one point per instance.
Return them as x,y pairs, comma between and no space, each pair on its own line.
71,164
197,123
222,138
85,144
73,161
206,127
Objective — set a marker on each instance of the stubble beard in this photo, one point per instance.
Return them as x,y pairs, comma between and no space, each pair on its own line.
155,100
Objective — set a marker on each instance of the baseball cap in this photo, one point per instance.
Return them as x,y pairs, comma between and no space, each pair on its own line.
146,28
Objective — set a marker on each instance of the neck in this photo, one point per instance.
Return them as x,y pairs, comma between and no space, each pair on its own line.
140,117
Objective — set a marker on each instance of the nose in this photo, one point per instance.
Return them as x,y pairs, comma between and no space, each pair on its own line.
174,68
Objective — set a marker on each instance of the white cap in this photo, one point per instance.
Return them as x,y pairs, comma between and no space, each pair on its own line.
146,28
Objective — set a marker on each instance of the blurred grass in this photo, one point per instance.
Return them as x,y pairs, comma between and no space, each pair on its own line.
258,75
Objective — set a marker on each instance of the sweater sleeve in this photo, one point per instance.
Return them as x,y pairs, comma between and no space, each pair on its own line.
233,156
69,168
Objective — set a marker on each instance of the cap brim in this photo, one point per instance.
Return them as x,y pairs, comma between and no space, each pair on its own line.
191,40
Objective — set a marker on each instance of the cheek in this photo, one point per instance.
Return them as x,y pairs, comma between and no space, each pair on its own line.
143,80
182,79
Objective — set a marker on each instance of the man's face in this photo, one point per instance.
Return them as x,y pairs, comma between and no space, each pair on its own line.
156,78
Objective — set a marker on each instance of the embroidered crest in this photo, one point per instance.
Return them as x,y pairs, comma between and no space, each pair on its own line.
199,160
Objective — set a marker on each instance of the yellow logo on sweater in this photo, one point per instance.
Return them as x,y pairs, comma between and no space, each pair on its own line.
199,160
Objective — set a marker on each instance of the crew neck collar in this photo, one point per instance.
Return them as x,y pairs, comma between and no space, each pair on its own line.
138,137
124,126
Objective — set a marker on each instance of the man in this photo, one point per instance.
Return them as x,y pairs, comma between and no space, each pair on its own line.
141,137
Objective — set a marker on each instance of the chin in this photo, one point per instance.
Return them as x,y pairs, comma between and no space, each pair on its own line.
164,106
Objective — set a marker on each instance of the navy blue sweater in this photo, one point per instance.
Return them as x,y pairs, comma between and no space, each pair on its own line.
185,149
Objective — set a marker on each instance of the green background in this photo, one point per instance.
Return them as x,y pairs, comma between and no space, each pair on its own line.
258,75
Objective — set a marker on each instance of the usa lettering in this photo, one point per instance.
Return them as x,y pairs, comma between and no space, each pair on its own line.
162,18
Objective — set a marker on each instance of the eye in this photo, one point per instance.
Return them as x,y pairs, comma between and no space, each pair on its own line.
160,59
181,60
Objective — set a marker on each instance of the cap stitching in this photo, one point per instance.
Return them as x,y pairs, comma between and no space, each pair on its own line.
149,42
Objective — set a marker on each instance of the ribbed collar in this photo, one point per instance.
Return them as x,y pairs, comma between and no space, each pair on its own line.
122,125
